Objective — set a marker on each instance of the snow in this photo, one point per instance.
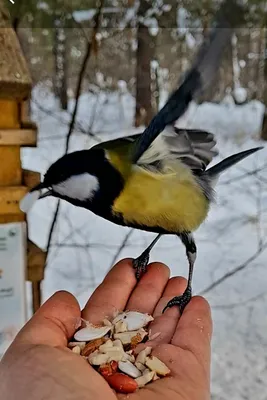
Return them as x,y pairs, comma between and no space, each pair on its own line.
84,15
129,16
152,24
240,94
87,15
190,40
41,5
84,244
182,15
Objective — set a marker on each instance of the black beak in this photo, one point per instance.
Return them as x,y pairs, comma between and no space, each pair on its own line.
39,187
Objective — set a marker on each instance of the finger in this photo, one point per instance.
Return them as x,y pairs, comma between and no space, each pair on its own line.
54,323
147,293
164,325
113,293
194,330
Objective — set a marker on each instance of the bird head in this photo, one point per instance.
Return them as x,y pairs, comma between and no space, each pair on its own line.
75,177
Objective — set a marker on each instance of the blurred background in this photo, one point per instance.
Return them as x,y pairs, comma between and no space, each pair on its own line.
101,70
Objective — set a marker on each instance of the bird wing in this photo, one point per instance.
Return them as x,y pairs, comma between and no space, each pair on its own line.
193,147
200,76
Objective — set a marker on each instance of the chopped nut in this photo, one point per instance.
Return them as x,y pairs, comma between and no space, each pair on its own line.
141,334
106,322
108,369
114,354
80,344
140,366
146,371
92,346
141,358
144,379
132,338
97,358
154,364
120,326
106,346
125,337
128,357
118,343
76,350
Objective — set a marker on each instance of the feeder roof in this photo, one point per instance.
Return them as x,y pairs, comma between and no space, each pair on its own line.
15,80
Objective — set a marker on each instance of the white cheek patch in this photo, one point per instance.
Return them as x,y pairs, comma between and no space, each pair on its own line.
28,200
80,187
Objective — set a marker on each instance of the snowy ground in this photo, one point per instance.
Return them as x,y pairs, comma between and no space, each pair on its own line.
84,245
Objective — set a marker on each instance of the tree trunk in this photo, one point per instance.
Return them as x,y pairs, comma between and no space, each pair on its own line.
145,51
261,70
264,124
212,91
60,54
15,24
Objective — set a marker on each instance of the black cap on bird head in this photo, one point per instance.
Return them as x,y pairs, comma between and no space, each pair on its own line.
73,177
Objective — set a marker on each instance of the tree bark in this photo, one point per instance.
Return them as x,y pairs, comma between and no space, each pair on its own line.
60,54
145,50
264,124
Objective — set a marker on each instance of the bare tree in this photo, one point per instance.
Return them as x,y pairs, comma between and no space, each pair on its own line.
60,55
144,55
264,125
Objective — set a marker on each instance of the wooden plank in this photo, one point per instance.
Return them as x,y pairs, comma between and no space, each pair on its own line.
30,178
36,296
29,125
6,219
24,111
10,171
9,199
9,113
36,259
18,137
15,77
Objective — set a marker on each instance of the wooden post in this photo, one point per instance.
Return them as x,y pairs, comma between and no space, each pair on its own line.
16,131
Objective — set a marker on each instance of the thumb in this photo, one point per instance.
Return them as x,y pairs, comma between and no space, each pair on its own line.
54,323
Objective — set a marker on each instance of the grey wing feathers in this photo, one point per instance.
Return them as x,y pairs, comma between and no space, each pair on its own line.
194,148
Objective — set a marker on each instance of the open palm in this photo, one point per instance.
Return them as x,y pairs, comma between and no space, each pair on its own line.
39,365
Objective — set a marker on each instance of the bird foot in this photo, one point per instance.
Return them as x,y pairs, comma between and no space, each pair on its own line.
140,264
180,301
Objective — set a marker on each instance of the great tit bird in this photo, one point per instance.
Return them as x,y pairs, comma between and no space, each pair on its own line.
157,181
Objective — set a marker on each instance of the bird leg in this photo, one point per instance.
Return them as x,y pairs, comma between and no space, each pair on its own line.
140,263
191,250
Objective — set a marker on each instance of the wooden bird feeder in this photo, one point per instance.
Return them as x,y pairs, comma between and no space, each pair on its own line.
17,131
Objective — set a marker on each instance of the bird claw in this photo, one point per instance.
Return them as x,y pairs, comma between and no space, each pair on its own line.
140,265
180,301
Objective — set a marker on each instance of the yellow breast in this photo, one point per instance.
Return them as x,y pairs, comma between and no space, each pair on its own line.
172,201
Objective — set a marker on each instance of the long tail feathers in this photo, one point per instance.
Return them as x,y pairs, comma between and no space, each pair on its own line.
197,79
230,161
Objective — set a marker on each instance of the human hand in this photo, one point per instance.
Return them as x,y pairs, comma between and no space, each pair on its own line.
38,364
